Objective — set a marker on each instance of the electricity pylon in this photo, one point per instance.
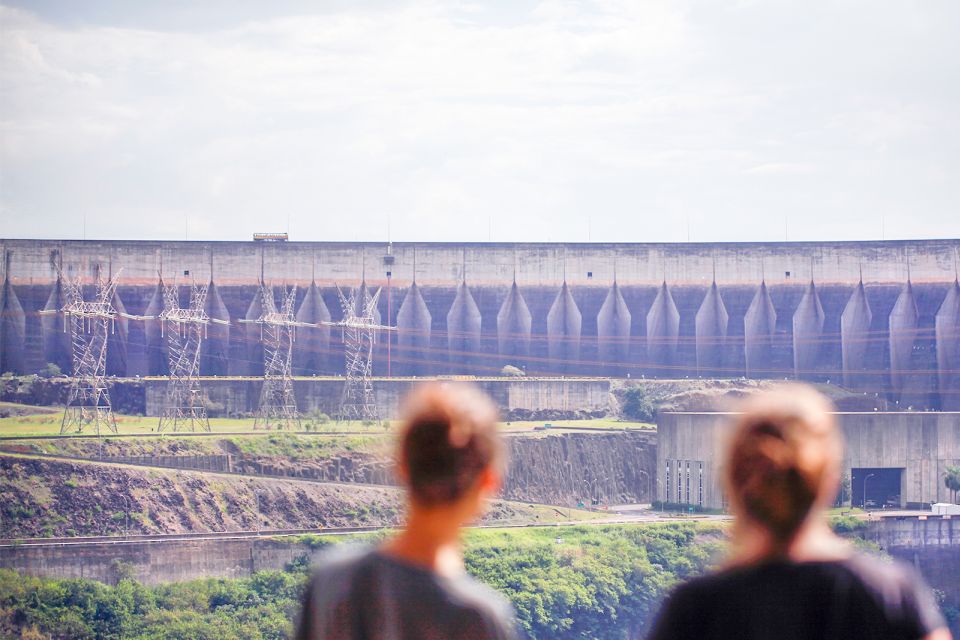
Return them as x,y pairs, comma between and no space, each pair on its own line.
184,330
359,334
278,404
90,326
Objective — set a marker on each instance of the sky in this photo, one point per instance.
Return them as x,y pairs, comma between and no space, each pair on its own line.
639,121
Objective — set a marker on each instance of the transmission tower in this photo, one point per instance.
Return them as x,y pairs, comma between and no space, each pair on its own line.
185,329
359,335
90,326
278,405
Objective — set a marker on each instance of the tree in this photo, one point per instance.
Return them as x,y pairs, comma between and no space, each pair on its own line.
951,479
635,405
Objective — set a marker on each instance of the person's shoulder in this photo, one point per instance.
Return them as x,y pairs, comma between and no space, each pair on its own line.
884,575
490,605
899,592
340,560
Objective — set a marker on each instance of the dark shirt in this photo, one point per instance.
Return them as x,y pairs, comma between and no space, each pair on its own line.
861,597
358,594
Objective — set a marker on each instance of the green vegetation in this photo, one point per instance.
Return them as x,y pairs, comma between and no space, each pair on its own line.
589,582
565,582
635,404
951,480
50,370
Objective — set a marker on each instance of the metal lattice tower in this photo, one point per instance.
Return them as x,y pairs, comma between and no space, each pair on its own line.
185,329
359,336
90,326
278,405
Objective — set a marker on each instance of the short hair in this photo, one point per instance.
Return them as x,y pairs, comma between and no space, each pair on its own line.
449,436
784,445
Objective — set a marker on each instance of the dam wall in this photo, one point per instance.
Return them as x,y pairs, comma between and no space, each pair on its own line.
882,317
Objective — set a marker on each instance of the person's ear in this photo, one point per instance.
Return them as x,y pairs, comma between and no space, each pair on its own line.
490,481
403,471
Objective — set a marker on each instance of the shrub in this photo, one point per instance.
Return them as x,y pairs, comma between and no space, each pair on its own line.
50,370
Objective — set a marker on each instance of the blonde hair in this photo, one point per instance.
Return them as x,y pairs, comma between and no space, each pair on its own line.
784,450
449,437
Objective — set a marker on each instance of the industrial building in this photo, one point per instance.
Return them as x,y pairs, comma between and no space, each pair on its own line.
891,460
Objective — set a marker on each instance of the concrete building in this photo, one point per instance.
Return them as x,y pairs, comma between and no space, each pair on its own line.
890,459
881,316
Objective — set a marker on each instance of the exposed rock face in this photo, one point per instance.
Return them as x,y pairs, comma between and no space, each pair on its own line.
564,469
759,324
808,322
163,501
413,334
463,330
513,325
563,330
55,498
663,327
711,331
613,327
855,334
948,348
215,348
553,468
903,333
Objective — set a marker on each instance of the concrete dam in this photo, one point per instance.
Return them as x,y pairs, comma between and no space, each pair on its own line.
881,317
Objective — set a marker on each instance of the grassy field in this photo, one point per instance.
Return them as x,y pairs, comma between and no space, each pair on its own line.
26,420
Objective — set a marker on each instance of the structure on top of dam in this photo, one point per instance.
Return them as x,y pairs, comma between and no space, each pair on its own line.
881,317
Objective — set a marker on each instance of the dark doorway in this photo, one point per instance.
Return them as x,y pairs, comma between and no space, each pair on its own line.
876,488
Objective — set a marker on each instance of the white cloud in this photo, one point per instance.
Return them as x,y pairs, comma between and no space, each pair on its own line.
452,119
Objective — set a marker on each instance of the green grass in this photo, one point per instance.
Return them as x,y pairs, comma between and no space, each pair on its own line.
45,421
46,424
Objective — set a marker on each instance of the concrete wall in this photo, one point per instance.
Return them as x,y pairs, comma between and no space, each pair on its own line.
923,444
153,562
931,545
486,263
516,398
580,342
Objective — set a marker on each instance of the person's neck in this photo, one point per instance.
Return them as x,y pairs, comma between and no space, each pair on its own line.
815,541
430,539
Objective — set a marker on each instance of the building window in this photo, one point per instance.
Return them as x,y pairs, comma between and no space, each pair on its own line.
589,274
666,483
688,482
679,481
700,490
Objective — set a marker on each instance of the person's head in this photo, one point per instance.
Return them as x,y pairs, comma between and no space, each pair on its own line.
450,451
783,462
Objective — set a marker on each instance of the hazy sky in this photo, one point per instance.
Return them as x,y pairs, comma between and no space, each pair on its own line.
563,121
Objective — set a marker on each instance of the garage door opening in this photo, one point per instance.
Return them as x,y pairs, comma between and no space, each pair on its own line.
877,488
